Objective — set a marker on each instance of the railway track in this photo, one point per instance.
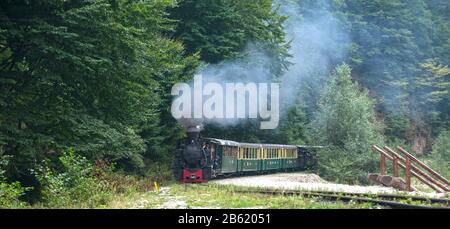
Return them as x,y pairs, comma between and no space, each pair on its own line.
385,200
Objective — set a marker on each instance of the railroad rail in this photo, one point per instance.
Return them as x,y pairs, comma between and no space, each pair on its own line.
386,200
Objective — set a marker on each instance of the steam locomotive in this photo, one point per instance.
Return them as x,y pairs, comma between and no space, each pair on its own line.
202,159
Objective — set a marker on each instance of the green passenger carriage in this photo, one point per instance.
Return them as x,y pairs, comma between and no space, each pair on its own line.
232,157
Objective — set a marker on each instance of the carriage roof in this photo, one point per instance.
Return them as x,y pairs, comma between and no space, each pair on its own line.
223,142
249,145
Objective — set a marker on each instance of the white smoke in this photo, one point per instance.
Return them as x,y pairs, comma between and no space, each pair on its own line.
318,42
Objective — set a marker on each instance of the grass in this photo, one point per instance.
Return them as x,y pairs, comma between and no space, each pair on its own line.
218,196
175,195
210,195
131,192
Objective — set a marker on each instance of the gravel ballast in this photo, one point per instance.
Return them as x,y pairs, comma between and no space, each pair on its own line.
300,181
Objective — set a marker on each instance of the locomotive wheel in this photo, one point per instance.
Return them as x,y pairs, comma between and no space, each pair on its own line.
207,175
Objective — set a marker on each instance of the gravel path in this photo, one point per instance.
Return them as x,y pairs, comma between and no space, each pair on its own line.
300,181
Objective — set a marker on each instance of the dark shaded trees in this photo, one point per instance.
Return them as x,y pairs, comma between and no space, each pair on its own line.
94,75
221,30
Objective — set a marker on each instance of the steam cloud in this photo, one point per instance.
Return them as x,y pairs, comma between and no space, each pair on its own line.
318,42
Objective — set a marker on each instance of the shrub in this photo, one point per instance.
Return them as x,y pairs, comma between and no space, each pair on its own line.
10,192
440,156
73,186
160,172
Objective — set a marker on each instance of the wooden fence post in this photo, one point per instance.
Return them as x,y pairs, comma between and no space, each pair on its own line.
395,161
382,165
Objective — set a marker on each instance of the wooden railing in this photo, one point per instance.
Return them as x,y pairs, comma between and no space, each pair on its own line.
413,167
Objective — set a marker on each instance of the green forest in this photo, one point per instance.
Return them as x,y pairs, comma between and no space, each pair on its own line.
86,86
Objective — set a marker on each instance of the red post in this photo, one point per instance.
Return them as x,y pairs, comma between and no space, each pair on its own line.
395,166
408,174
382,165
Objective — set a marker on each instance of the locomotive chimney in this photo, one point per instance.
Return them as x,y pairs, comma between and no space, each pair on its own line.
193,133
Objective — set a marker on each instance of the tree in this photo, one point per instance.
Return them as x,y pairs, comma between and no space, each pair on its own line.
441,22
222,29
432,90
293,127
346,123
93,75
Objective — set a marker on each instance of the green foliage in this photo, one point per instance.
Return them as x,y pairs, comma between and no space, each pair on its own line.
432,89
160,172
346,123
293,127
440,156
390,41
95,75
222,29
10,192
441,21
73,184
